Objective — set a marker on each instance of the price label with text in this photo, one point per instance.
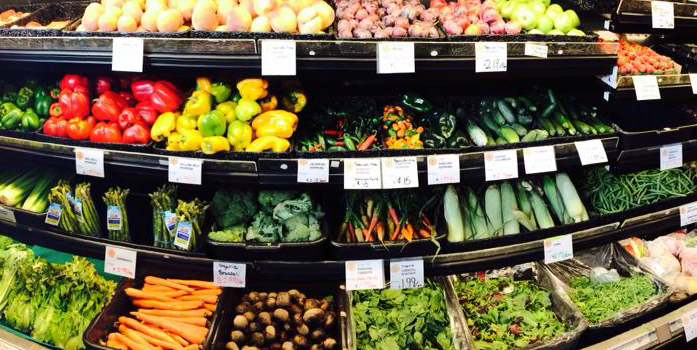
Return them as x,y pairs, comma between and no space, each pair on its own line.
693,82
120,261
443,169
278,57
490,57
89,161
313,171
646,87
591,152
536,49
407,273
395,57
4,345
185,170
53,214
688,214
362,174
226,274
182,237
365,274
7,215
662,15
501,165
399,172
539,159
127,55
689,324
671,156
558,248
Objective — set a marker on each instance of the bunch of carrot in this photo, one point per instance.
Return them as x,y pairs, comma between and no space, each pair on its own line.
384,216
171,314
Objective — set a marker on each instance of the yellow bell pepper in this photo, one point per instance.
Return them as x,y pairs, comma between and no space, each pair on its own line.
163,126
173,142
239,134
203,83
253,89
199,103
186,122
214,144
227,108
269,103
275,123
190,140
273,143
294,101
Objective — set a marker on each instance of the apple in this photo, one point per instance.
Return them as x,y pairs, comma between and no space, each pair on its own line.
472,29
535,31
564,22
545,24
574,16
513,27
555,32
524,15
576,32
553,11
538,7
507,8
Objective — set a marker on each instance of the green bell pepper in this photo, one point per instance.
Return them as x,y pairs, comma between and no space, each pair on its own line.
446,124
434,141
26,91
42,104
235,97
7,107
221,92
23,101
30,120
12,119
415,103
9,96
457,140
212,123
39,93
246,109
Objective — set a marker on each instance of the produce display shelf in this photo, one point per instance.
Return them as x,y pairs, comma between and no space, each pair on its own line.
635,16
632,160
677,86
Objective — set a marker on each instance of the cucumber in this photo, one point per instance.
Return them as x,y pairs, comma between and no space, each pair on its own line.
548,110
584,128
547,125
560,130
527,103
524,117
506,111
511,101
530,136
561,119
509,134
498,117
541,135
489,122
519,129
501,141
475,133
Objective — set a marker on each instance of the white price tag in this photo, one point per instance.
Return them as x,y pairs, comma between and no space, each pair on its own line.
671,156
227,274
120,261
4,345
536,49
399,172
185,170
662,15
313,171
364,274
539,159
278,57
688,214
558,248
689,324
490,57
610,79
127,55
591,151
407,273
693,82
443,169
501,165
89,161
646,87
395,57
637,342
7,215
675,324
362,174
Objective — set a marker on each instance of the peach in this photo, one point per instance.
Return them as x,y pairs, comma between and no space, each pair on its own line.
107,22
116,11
114,3
81,28
149,20
312,26
209,3
325,11
186,7
262,7
261,24
239,20
155,5
222,28
249,6
132,9
172,4
169,21
204,18
126,23
224,9
95,7
141,29
90,20
299,5
283,20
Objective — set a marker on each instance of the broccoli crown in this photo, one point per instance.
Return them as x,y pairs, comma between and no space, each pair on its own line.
234,234
232,207
269,199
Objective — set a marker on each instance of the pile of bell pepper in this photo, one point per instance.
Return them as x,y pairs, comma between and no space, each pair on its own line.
122,112
218,118
26,108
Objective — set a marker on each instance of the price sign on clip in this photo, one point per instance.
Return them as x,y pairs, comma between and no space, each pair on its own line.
395,57
127,55
229,274
688,214
399,172
185,170
671,156
278,57
591,152
313,171
490,57
539,159
407,273
89,161
443,169
689,324
362,174
646,87
536,50
693,82
558,249
364,274
7,215
501,165
662,15
120,261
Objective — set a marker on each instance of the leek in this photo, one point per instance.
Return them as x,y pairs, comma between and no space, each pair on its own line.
15,192
480,227
572,202
508,206
492,206
453,216
554,197
37,199
539,208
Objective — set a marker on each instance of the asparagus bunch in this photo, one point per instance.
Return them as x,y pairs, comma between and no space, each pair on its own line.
116,199
162,200
60,194
192,212
88,221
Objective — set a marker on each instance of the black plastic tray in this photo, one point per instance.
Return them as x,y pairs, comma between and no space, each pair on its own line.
526,37
120,305
388,250
253,35
673,126
23,8
53,12
26,217
129,147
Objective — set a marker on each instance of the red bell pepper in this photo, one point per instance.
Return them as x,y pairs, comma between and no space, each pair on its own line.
55,110
74,102
128,117
80,129
106,132
147,112
108,106
71,81
103,84
137,133
55,126
130,100
142,89
166,97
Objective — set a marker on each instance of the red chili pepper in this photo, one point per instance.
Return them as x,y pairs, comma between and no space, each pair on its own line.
55,110
72,81
106,132
339,143
332,132
130,100
142,90
103,84
137,133
128,117
166,97
80,129
147,112
55,126
108,106
74,102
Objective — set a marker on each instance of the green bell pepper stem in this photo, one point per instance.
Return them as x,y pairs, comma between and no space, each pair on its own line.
235,97
42,104
221,92
23,101
12,119
30,120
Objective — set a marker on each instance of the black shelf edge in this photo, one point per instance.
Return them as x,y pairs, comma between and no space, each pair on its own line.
646,158
674,86
635,16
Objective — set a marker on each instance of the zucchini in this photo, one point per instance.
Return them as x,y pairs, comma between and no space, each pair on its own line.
498,117
501,141
560,130
547,125
476,134
547,111
561,119
505,110
541,135
573,111
584,128
511,101
524,101
524,117
519,129
490,123
530,136
490,141
509,134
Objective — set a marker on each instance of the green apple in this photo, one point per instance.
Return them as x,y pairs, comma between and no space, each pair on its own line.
524,15
535,31
553,11
564,22
538,7
555,32
545,24
576,32
507,9
574,16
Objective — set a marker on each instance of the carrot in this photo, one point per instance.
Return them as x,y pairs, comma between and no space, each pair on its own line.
352,236
209,307
192,347
379,230
115,344
366,143
131,344
137,293
373,221
424,233
193,334
196,283
171,305
172,313
152,341
196,321
207,292
393,214
204,298
395,234
133,335
179,339
153,332
154,288
163,282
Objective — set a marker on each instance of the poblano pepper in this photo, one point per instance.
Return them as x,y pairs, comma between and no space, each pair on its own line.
415,103
446,124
